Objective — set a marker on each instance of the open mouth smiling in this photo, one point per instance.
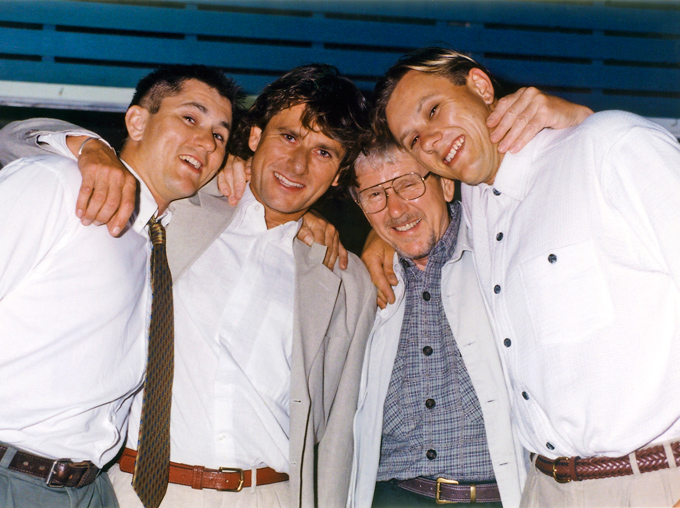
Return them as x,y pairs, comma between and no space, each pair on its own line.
192,161
287,183
407,226
459,141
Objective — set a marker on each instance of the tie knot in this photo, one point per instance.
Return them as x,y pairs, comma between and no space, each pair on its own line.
156,232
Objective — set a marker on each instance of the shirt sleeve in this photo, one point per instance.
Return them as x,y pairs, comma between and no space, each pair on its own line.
642,181
36,215
38,136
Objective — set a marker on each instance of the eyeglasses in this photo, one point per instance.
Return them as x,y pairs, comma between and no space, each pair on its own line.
408,187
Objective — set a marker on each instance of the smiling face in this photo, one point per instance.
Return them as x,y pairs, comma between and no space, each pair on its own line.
444,125
292,166
179,148
412,227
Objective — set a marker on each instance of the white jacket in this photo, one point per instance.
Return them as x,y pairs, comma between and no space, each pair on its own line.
469,323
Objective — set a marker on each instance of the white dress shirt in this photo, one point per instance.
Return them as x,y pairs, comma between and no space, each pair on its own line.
74,311
577,245
234,329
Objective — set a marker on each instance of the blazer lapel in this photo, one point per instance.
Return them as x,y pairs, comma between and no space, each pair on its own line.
196,223
316,291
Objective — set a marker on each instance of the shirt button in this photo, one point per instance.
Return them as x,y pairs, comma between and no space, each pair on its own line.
427,350
496,192
552,258
525,395
222,438
499,237
507,342
430,403
431,454
496,289
549,446
426,296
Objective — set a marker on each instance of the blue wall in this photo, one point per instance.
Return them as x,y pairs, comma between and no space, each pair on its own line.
606,54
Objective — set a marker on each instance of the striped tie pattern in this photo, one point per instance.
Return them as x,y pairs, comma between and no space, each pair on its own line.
150,479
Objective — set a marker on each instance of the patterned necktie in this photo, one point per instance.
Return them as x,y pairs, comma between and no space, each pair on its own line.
150,479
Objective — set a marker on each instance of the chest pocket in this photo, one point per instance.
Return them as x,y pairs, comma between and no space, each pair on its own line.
566,294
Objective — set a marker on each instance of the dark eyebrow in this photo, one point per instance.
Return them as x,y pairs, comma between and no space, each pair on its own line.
204,110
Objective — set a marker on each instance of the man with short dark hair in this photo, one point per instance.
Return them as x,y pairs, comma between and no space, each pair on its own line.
74,302
269,341
433,423
576,255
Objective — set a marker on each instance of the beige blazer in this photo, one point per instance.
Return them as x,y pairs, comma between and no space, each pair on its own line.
334,313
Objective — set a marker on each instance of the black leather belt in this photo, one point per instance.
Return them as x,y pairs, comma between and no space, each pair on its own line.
450,491
56,473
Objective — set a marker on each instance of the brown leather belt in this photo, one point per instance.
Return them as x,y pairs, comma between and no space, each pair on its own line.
566,469
56,473
199,477
450,491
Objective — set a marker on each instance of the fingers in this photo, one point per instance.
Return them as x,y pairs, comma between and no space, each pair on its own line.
305,234
127,206
233,177
331,255
375,267
378,256
223,183
107,192
518,117
343,255
317,229
382,301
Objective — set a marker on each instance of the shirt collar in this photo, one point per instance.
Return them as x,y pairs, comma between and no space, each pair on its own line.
514,173
250,213
146,206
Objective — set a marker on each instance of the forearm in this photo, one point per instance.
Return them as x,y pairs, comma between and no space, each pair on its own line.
27,138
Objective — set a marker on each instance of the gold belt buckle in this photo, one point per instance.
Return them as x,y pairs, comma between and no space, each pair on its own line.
554,470
438,491
241,480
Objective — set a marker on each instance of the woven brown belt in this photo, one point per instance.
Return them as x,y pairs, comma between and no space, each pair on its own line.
566,469
450,491
56,473
199,477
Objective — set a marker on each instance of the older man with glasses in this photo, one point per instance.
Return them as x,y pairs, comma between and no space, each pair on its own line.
433,422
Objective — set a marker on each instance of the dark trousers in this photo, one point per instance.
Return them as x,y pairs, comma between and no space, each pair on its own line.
389,495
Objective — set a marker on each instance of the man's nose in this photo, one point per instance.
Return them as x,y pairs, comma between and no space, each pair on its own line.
297,161
205,139
396,205
429,141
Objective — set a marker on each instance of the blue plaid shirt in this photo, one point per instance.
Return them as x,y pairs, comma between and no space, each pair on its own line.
432,424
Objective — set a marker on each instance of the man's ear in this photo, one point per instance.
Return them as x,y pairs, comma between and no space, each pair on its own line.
135,122
336,180
254,138
448,188
481,84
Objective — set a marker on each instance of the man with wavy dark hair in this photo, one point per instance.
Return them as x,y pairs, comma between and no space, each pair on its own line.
269,342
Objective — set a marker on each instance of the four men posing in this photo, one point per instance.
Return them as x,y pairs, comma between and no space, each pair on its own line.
270,343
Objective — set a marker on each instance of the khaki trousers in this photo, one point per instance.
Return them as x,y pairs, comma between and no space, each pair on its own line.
659,488
276,495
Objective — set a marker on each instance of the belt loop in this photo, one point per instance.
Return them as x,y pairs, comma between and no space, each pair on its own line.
8,456
253,479
670,457
633,463
197,477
